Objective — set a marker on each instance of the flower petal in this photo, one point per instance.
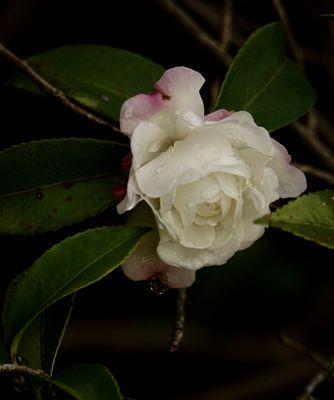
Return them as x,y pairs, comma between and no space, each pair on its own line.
243,132
138,109
217,115
292,181
148,140
199,154
182,86
177,90
178,278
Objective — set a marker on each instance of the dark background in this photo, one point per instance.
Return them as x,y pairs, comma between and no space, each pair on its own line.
282,284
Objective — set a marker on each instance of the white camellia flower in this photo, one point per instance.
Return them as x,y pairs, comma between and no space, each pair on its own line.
204,178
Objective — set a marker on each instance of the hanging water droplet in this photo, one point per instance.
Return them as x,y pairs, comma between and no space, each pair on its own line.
157,287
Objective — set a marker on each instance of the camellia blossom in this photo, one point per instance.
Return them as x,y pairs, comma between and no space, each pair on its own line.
205,179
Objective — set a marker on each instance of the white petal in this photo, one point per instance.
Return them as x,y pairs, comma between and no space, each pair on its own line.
193,236
242,131
132,198
196,156
292,181
193,259
147,141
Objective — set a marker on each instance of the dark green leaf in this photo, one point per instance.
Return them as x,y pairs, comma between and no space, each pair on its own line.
48,184
40,342
88,382
328,15
264,82
311,216
98,77
71,265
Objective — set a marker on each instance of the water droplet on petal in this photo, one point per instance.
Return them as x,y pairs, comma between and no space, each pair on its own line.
128,112
154,146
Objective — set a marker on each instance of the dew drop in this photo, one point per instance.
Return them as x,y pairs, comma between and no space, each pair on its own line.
128,112
154,146
159,170
105,98
157,287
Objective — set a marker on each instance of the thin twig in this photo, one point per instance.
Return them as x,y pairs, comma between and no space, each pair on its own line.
22,369
312,140
302,349
225,35
50,90
308,133
195,30
326,128
227,25
178,327
289,31
316,172
313,384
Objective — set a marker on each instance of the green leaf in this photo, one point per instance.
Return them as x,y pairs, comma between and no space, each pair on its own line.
48,184
311,216
328,15
100,78
40,342
73,264
264,82
88,382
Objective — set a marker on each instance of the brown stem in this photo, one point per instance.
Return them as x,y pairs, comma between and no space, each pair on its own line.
178,327
313,384
316,172
227,25
50,90
22,369
302,349
312,140
195,30
289,31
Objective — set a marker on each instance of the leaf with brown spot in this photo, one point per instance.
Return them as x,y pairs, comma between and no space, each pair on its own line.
48,184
